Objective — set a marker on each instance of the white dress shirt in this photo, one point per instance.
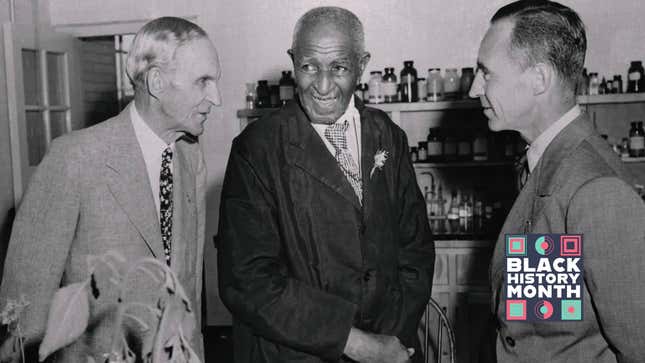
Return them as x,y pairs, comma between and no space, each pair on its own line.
152,147
353,133
537,147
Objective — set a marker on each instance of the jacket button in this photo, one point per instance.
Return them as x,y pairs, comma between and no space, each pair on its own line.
367,275
510,341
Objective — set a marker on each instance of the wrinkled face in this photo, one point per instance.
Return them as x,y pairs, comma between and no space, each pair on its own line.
327,69
503,88
191,87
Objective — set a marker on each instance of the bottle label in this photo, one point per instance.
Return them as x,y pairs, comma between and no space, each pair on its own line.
634,76
450,148
286,92
389,88
434,148
463,148
637,142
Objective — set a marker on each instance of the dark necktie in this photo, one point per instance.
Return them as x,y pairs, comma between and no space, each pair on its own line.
522,171
335,133
165,202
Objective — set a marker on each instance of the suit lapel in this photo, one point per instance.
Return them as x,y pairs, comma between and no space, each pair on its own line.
371,143
307,151
183,210
128,181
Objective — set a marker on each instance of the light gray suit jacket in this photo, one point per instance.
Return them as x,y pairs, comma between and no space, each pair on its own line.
89,195
580,186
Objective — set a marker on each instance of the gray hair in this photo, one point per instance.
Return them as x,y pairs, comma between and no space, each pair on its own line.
331,15
156,43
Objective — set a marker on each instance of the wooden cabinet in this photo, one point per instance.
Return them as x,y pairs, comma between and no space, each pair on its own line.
461,285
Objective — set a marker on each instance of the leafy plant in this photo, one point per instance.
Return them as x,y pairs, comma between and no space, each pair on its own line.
163,319
10,317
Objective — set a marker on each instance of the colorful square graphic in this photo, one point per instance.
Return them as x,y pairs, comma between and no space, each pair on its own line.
570,245
571,310
516,245
515,309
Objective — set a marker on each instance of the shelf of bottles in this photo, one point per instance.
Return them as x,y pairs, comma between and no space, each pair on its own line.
463,104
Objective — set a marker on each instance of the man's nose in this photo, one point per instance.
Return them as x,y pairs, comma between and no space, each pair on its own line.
477,88
213,95
323,82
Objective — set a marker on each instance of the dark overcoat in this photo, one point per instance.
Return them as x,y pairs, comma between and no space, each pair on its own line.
301,260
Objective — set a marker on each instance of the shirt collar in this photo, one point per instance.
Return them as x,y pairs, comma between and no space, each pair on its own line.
350,112
539,145
148,139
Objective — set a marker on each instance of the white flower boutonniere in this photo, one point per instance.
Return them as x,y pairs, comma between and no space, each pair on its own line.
379,160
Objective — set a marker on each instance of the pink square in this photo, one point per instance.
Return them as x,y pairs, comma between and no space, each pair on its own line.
515,309
517,244
570,245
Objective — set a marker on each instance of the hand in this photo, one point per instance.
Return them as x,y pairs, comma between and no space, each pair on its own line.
376,348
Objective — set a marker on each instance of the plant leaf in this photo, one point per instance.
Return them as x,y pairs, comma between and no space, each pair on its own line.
68,317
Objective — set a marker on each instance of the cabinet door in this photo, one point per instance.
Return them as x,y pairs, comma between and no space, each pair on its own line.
43,94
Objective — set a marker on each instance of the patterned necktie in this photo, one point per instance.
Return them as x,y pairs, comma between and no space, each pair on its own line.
335,133
165,202
522,171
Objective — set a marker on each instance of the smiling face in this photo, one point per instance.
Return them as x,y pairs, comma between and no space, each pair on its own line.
503,87
191,87
327,67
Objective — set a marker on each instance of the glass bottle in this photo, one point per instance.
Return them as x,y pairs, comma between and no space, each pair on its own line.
274,95
409,92
375,92
451,84
263,98
464,146
480,146
422,89
467,78
624,148
287,86
435,85
250,96
423,151
453,213
602,88
594,84
449,146
618,84
636,77
389,86
414,154
439,224
435,145
636,140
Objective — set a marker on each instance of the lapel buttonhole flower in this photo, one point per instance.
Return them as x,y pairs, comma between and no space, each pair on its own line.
379,160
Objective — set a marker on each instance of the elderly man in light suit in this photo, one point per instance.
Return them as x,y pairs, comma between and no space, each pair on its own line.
108,187
529,61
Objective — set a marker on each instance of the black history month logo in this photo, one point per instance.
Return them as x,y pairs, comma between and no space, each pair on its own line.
544,277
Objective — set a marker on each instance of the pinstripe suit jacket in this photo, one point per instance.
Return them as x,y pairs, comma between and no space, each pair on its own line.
89,195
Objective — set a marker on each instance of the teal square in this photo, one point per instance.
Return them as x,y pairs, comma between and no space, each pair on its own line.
571,309
516,310
516,245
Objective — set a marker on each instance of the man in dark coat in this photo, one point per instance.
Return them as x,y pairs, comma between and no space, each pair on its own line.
325,253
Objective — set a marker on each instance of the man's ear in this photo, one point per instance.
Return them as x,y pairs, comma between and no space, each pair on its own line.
542,78
362,63
155,82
